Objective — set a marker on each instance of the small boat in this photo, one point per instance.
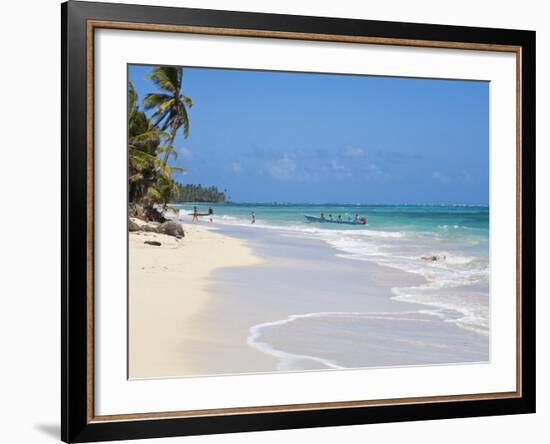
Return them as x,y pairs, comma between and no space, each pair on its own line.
360,221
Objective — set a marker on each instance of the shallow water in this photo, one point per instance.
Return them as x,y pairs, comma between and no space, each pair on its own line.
326,307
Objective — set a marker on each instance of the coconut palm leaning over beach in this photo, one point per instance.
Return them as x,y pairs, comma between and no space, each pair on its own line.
170,106
150,177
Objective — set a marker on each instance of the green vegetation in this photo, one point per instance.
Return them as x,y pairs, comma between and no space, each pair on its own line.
151,140
198,193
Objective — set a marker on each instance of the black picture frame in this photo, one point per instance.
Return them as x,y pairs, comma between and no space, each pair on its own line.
76,326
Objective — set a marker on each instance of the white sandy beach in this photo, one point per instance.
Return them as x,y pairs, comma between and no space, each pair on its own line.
167,287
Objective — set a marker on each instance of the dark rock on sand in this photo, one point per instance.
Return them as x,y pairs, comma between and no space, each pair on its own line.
433,258
132,226
135,225
152,214
149,228
155,243
171,228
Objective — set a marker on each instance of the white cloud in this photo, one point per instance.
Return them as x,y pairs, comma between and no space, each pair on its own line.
353,152
281,169
338,171
235,167
440,177
466,178
186,154
373,171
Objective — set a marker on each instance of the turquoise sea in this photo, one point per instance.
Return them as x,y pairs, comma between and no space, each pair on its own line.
448,245
392,217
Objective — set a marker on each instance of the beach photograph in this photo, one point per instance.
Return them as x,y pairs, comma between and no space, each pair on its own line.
293,221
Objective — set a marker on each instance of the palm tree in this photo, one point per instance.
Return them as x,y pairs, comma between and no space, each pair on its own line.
170,105
143,145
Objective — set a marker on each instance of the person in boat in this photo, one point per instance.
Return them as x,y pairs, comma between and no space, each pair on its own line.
253,218
195,214
210,213
339,219
322,216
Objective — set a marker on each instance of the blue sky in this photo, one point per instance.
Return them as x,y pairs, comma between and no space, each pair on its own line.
294,137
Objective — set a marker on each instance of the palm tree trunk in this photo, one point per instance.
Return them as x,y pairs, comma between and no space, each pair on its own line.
171,146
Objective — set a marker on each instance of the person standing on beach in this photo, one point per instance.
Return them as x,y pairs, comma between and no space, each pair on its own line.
253,216
195,214
211,213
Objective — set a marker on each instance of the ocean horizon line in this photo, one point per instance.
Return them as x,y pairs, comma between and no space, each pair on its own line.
337,204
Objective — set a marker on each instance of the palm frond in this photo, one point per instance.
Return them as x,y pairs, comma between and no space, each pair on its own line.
184,118
154,195
132,97
163,77
149,136
178,169
188,101
155,99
